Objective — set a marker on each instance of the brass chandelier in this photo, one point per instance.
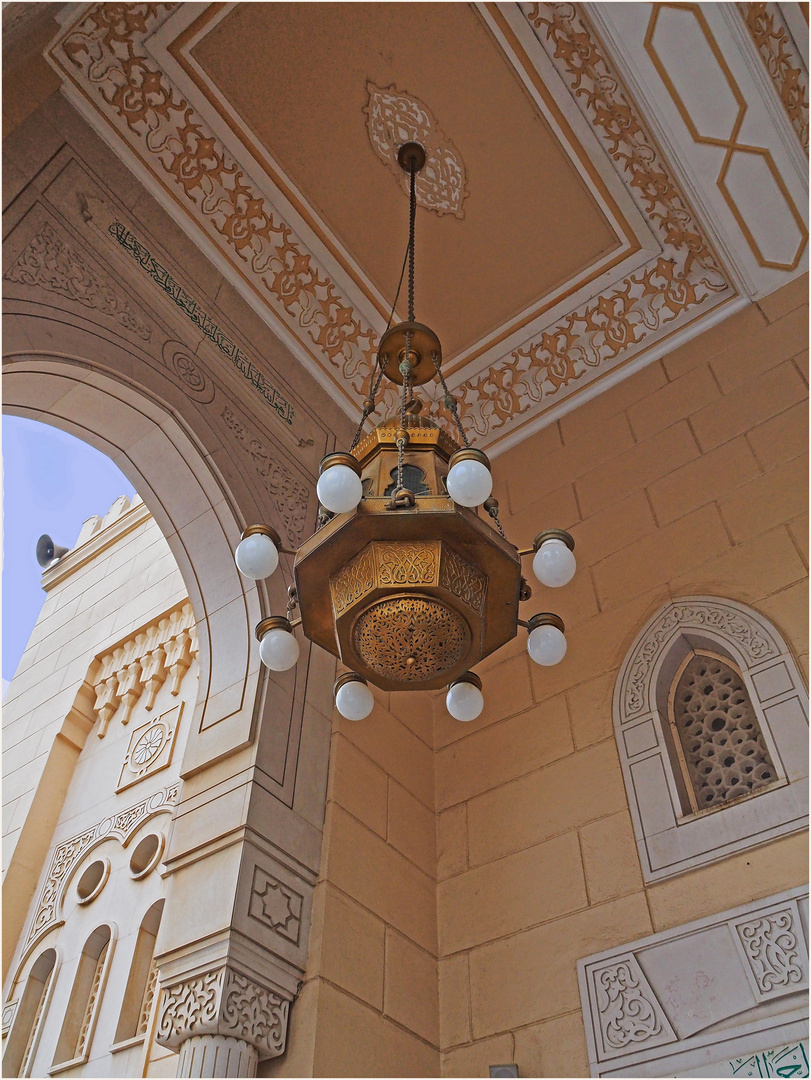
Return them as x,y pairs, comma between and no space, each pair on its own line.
403,580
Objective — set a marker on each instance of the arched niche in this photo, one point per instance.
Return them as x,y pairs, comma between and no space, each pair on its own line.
670,837
179,482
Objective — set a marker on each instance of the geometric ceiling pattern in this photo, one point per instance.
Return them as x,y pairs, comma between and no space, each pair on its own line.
596,191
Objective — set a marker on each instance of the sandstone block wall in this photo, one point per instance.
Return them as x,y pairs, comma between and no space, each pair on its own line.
687,477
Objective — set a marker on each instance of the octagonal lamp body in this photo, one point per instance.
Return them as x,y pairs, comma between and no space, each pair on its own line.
409,598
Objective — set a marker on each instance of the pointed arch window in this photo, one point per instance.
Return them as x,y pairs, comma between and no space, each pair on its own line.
711,722
139,996
24,1035
76,1036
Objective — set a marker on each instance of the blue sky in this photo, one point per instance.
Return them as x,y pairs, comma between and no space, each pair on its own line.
52,483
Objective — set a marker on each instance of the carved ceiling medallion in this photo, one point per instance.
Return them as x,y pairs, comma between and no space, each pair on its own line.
394,118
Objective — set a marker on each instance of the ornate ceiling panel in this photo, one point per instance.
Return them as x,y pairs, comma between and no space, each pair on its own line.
559,243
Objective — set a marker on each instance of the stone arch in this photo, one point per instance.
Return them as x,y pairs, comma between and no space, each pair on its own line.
182,489
671,840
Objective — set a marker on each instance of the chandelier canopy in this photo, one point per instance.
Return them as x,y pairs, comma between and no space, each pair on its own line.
404,580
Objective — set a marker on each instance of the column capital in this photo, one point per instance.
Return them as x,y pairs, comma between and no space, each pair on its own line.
224,1002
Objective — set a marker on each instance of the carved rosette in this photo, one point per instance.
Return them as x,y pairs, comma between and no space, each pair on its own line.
224,1002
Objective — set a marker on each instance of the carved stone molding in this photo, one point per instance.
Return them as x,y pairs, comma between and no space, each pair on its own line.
394,118
725,985
783,63
104,54
51,264
188,370
223,1002
673,832
67,854
142,664
276,905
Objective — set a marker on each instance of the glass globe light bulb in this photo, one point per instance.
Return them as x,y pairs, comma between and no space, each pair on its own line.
464,701
256,556
546,645
354,700
278,650
339,489
469,482
554,564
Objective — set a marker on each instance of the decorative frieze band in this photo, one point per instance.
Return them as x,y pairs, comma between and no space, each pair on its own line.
142,664
67,854
224,1002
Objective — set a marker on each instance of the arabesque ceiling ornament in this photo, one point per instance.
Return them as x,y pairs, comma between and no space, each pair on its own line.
104,59
393,119
403,581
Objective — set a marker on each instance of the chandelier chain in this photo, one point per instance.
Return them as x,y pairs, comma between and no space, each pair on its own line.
369,405
411,230
450,402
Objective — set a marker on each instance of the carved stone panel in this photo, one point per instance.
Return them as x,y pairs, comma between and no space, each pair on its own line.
724,985
150,747
775,951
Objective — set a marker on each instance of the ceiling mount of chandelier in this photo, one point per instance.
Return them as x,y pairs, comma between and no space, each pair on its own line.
403,580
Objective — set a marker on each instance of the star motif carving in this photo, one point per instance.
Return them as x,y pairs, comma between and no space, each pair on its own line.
275,904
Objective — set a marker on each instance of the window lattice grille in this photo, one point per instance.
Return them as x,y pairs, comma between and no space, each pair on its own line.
149,997
724,750
81,1046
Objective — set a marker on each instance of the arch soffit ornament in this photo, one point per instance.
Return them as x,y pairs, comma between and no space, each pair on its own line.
183,490
749,638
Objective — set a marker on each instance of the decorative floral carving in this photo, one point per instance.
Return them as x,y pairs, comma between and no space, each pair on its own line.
394,118
785,67
353,580
150,747
627,1015
463,579
165,647
104,53
50,264
223,1002
730,622
603,329
771,947
69,852
289,495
